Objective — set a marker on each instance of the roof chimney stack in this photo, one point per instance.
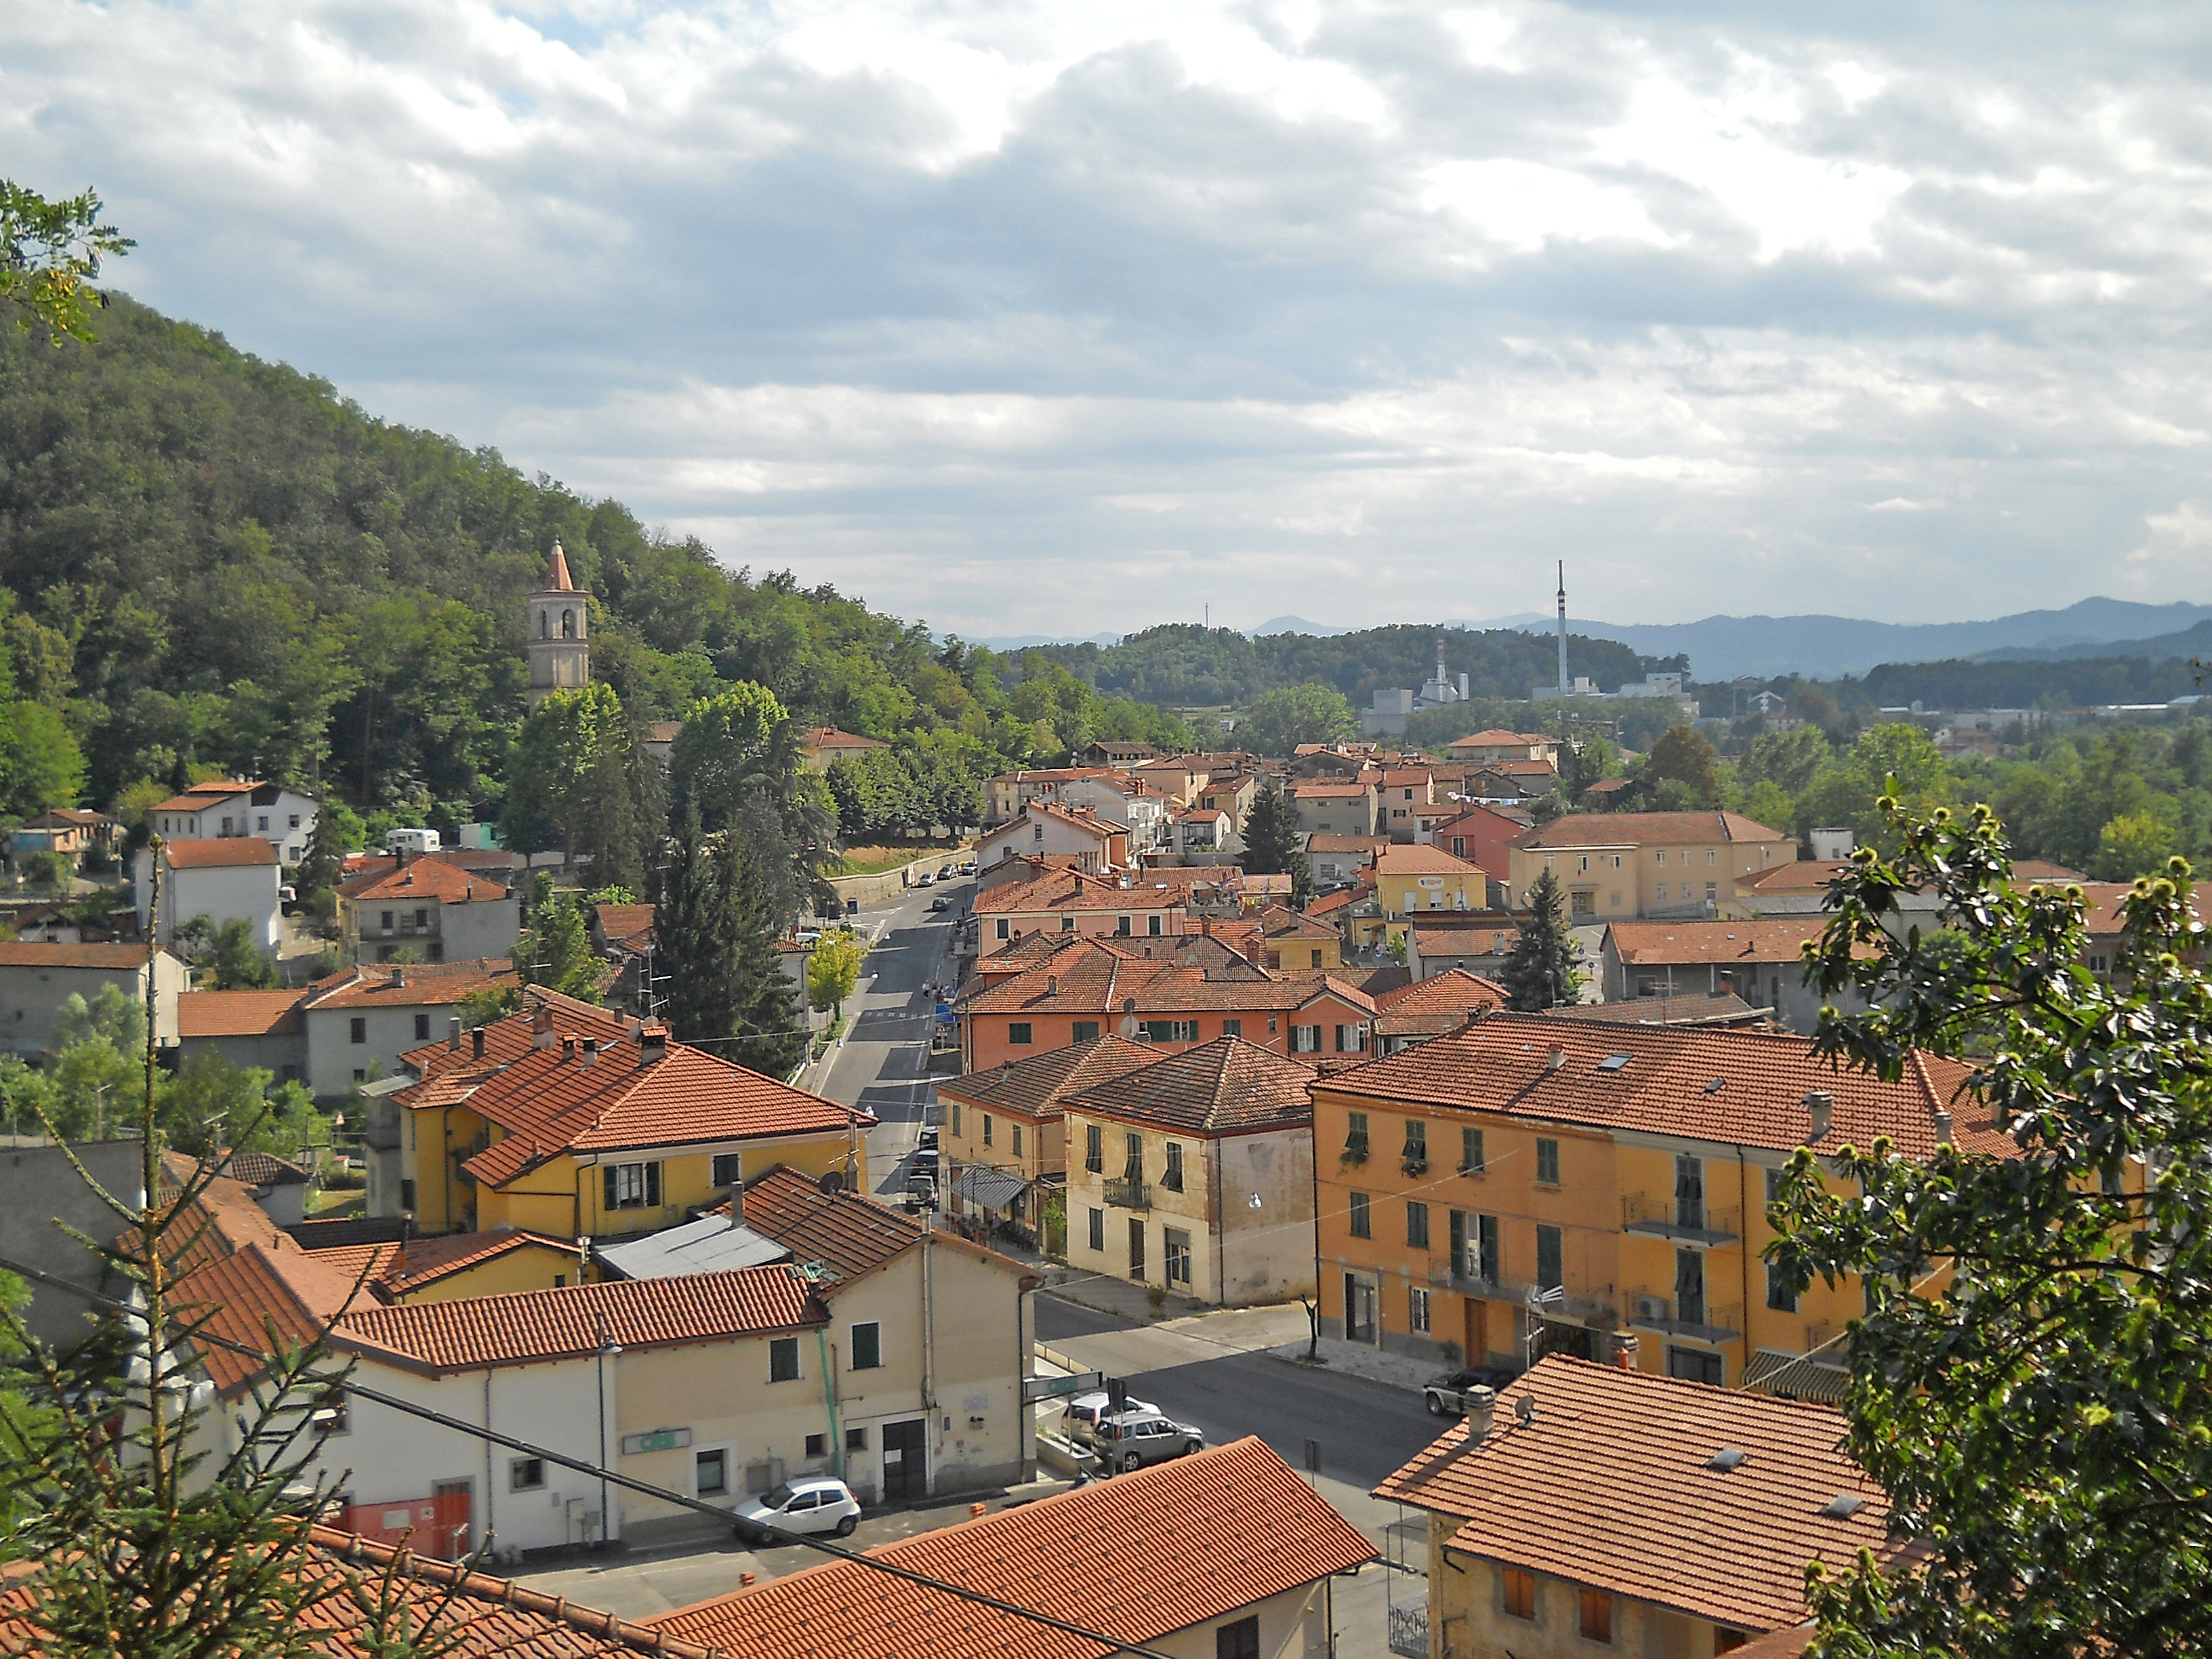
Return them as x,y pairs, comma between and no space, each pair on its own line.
1943,1128
567,1048
587,1051
1624,1350
1556,1060
398,979
652,1045
1481,1403
1820,1113
475,1044
541,1026
454,1035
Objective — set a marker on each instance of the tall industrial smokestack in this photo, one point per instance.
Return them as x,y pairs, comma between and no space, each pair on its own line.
1563,628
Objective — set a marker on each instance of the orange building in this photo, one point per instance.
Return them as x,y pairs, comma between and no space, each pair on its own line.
1624,1169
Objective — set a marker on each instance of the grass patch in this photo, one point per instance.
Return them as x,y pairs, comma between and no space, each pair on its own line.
873,860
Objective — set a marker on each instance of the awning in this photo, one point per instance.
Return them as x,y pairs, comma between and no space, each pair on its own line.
1796,1376
988,1188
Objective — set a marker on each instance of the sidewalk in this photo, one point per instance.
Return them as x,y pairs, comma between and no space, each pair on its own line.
1357,1359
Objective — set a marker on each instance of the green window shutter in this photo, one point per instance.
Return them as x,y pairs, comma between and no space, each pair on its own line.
653,1183
607,1176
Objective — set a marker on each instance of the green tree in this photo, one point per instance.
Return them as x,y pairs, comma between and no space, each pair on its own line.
1273,845
1281,719
1843,792
1790,759
112,1017
770,1038
40,764
690,930
2133,844
236,960
731,743
1544,969
573,783
833,968
554,950
1683,757
50,251
2041,1418
322,865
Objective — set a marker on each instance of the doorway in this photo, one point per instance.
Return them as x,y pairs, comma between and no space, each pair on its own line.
1477,1347
450,1501
1136,1248
1359,1309
906,1463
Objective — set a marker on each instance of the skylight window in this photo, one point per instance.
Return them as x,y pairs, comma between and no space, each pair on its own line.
1727,1458
1716,1085
1614,1062
1843,1505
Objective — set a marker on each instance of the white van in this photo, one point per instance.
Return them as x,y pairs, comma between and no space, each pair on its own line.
410,841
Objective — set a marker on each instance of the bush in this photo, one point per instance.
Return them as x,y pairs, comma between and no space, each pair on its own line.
340,1178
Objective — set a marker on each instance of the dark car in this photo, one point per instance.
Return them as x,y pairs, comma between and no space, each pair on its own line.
1446,1397
937,905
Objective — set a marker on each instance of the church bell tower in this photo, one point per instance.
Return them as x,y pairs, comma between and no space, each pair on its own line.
560,650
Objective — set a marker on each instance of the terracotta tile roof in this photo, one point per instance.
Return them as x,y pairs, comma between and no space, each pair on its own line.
526,1328
852,1236
828,737
397,1270
254,1290
230,852
1035,1088
1647,829
1328,904
1604,787
1319,842
201,796
1501,1063
1318,791
1090,979
219,1221
625,923
1136,1558
449,1074
1423,861
1066,891
1435,1004
1628,1455
457,1614
1496,739
417,984
1724,1008
419,879
238,1013
1768,940
264,1170
16,953
1227,1087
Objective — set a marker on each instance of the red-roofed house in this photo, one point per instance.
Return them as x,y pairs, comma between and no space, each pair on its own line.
436,909
1761,960
823,745
1334,806
358,1023
1042,829
235,877
1616,867
224,807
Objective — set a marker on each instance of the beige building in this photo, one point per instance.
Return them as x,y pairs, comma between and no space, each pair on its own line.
435,910
1620,866
1695,1511
1010,1118
37,980
1333,807
1196,1174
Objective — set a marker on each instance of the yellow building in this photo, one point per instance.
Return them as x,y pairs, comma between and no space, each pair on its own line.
1624,1169
1010,1118
1616,866
451,1265
568,1120
1412,882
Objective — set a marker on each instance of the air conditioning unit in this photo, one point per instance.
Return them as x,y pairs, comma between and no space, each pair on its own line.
1650,1307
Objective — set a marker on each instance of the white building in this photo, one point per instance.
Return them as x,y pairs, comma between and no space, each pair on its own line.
358,1024
224,807
36,980
232,877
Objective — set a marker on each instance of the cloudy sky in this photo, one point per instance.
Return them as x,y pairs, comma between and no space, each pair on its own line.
1062,318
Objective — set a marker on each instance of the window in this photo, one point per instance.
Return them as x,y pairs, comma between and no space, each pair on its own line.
1238,1641
817,1445
1017,1033
1153,927
357,1031
1712,891
1133,1159
1711,857
1086,1030
526,1474
783,1359
1170,1030
1417,1309
727,1169
1004,927
422,919
1094,1148
1488,1257
711,1469
987,1128
1660,857
1232,1028
1038,833
1728,1641
868,1347
387,922
955,1119
1172,1179
1416,1226
1017,1140
261,821
295,820
856,1439
1306,1039
1360,1227
1120,927
1548,1161
1352,1039
1694,1365
1417,1141
1595,1616
1355,1134
1067,924
226,826
1176,1245
631,1186
1773,1188
1780,1296
422,1028
1548,1257
406,1194
1690,1286
1519,1592
1470,1151
1099,1231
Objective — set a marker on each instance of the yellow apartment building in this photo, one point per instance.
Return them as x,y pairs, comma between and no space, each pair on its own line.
1011,1118
569,1121
1411,882
1617,865
1625,1170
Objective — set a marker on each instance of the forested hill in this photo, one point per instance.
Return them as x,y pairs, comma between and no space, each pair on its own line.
1181,663
215,562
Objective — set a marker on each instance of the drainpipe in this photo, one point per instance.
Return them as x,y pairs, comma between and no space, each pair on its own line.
1220,1221
829,1398
1743,1212
491,1518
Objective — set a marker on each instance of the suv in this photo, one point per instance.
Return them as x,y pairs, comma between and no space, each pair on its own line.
1446,1397
1085,1411
1136,1438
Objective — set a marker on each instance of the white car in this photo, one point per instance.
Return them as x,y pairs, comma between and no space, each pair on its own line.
818,1504
1085,1409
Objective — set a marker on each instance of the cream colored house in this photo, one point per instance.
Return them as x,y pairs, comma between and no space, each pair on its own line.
1196,1174
1617,866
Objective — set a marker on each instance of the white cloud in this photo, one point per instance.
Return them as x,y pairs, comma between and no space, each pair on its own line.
2175,555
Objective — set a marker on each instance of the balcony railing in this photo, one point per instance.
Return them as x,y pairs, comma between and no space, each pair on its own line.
1593,1310
1128,1194
1694,1222
1701,1320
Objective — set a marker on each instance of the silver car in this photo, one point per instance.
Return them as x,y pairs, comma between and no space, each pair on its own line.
1134,1439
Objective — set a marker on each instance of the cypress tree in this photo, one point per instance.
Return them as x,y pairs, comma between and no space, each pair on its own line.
1544,969
769,1037
691,941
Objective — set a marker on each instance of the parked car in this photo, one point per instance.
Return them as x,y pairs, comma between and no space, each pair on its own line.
1446,1395
924,879
948,873
969,868
1134,1439
817,1505
928,1141
1085,1409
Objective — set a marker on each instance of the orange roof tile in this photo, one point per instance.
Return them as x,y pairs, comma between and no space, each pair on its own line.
17,953
1058,890
531,1326
1035,1088
1628,1454
1435,1004
229,852
852,1235
1647,829
253,1291
1502,1063
1089,978
237,1013
1768,940
1136,1558
395,1270
419,879
417,984
622,924
1227,1087
1414,860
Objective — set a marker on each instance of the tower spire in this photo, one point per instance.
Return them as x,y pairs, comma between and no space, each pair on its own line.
556,572
1563,628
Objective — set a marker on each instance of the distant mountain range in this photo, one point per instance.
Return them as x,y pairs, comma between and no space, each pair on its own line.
1827,647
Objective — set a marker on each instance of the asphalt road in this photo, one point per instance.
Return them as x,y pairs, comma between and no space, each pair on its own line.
884,1064
1365,1429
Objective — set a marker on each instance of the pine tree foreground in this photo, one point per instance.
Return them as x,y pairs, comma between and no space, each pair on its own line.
1545,969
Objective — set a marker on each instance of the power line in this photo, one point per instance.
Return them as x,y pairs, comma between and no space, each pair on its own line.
629,1483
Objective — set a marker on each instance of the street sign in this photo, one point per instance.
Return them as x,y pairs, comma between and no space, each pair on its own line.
659,1440
1035,1389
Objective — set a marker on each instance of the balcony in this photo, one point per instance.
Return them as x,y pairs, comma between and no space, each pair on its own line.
1597,1312
1694,1223
1127,1194
1355,1148
1698,1319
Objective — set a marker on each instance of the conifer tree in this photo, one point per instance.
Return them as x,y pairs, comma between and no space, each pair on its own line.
1272,844
691,939
769,1037
1544,969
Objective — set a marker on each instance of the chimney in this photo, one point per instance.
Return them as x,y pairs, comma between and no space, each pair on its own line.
1942,1128
541,1027
398,979
1556,1060
747,1580
1481,1403
651,1044
475,1044
587,1051
454,1035
976,1511
567,1048
1820,1111
1624,1350
1052,986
